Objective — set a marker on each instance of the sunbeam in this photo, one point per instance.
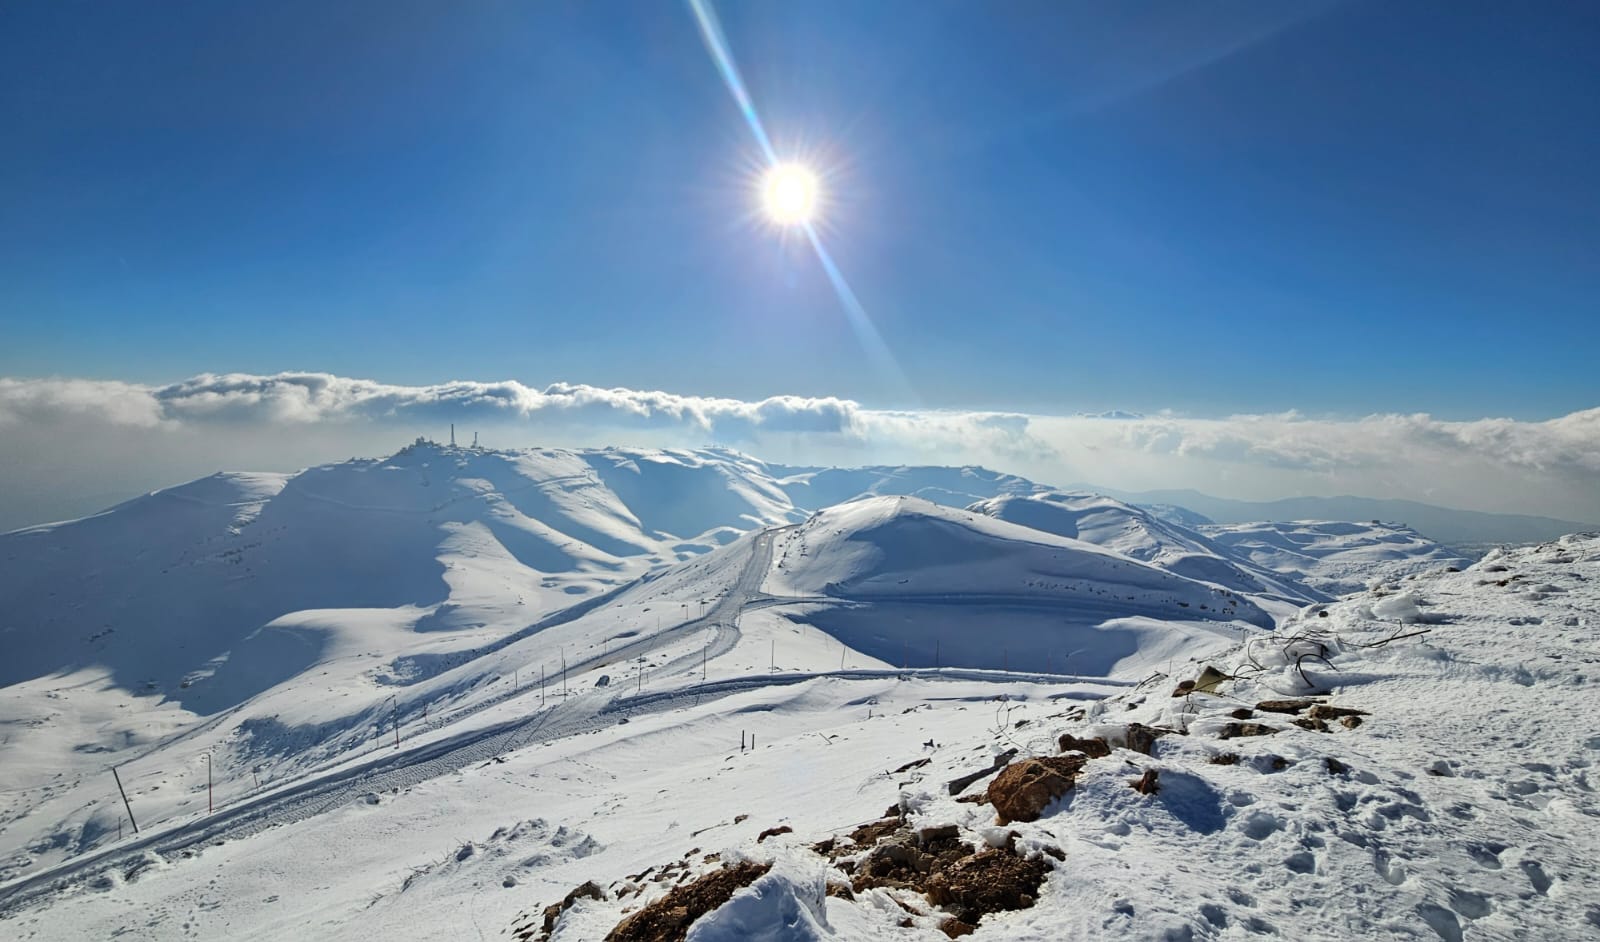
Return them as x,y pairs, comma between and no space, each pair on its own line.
791,200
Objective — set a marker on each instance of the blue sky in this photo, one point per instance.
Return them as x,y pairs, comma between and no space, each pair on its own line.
1339,208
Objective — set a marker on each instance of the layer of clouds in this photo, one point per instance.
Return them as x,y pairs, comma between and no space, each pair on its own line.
73,440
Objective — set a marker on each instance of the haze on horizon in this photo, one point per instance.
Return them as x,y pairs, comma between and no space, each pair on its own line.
1243,248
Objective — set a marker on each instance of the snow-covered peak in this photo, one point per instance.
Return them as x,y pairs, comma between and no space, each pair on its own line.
1140,534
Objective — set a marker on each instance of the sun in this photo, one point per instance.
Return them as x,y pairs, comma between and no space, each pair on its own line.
790,194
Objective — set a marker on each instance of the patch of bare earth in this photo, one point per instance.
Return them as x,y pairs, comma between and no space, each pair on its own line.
668,919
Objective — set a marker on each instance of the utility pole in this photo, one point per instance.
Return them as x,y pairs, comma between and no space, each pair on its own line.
209,806
703,663
774,665
394,707
563,672
125,803
541,685
452,435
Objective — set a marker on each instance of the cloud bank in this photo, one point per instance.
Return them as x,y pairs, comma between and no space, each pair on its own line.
94,438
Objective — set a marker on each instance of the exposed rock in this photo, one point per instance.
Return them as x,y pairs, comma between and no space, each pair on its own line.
773,832
1315,725
869,834
913,764
668,919
1327,711
841,891
1284,706
1335,767
955,928
992,881
1236,730
1225,758
1242,714
1142,738
1022,791
1147,784
589,890
1095,748
1349,722
940,832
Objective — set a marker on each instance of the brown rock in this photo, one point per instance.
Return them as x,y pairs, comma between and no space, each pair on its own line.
1147,784
1023,790
1284,706
1312,724
1335,767
668,919
955,928
773,832
1236,730
1225,758
1142,738
1095,748
589,890
1327,711
1242,714
1349,722
869,834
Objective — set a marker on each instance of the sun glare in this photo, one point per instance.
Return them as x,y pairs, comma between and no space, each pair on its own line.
790,194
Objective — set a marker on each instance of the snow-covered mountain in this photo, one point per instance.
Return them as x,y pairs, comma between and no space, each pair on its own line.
909,581
1448,525
1405,763
1142,535
816,488
386,624
1335,557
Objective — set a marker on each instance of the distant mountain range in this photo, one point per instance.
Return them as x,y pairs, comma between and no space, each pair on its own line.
1459,528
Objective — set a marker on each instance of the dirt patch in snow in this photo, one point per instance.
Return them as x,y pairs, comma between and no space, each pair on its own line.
668,919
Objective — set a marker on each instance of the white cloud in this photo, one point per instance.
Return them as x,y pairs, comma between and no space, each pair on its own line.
87,434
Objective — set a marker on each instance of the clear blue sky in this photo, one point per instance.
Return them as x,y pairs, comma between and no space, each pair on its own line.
1341,207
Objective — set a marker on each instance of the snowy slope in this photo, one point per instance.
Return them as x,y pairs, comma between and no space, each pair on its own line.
1463,806
285,632
909,581
815,488
1138,534
1332,556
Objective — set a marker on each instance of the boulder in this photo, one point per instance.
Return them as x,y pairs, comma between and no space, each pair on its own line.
1095,748
1024,789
